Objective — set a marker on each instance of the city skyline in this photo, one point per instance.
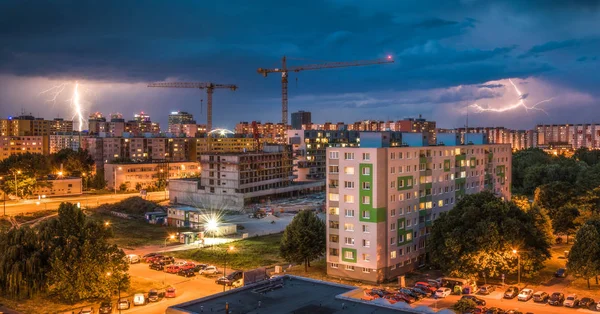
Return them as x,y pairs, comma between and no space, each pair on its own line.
446,59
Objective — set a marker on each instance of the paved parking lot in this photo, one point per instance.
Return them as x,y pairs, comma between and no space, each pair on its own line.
187,288
495,299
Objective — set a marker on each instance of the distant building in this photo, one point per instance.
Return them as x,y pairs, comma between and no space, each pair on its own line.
274,132
12,145
300,118
181,117
60,187
231,180
148,174
70,140
24,125
59,125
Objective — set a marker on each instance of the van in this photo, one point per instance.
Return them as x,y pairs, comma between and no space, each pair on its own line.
139,299
133,259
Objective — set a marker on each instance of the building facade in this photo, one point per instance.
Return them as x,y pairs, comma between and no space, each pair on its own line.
382,201
300,118
230,180
148,175
12,145
70,140
60,187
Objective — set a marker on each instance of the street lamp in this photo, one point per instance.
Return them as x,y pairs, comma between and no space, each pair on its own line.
16,189
107,223
230,249
517,253
4,192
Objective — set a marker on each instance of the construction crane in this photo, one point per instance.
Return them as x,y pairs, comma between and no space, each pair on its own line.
200,85
284,76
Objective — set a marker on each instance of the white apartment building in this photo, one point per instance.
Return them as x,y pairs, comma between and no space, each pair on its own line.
382,201
148,174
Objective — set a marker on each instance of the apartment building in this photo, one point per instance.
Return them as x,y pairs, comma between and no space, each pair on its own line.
300,118
272,131
574,136
382,201
70,140
231,180
24,125
12,145
60,125
62,186
148,174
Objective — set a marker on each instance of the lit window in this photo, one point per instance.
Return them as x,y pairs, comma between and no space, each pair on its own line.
349,170
393,254
349,198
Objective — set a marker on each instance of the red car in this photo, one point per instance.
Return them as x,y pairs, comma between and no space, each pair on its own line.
170,293
153,259
187,266
425,286
172,269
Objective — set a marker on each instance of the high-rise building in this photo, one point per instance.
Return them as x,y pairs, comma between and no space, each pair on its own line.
181,117
382,201
60,125
300,118
24,125
141,124
63,140
273,131
96,123
12,145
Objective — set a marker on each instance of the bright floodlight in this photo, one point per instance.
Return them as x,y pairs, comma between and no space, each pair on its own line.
172,236
211,224
514,251
389,57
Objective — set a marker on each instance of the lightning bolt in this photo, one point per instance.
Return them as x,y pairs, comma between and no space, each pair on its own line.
520,103
76,101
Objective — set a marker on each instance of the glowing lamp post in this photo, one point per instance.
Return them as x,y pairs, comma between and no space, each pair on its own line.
230,249
115,174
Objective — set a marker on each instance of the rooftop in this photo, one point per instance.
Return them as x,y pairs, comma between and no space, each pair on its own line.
297,295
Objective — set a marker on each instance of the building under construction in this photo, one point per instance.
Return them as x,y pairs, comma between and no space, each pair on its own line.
232,180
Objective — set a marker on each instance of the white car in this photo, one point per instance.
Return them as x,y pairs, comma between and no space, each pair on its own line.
209,270
442,292
139,299
571,301
180,263
133,258
598,306
525,295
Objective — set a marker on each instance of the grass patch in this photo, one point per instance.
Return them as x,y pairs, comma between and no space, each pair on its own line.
4,224
132,233
134,206
247,254
26,217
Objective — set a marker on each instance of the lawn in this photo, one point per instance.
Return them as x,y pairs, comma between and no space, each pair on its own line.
132,233
23,218
4,224
247,254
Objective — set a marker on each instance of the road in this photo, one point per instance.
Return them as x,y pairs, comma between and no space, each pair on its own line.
27,206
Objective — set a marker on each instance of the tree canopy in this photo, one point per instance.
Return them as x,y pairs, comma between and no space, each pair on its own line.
68,256
303,239
480,233
584,257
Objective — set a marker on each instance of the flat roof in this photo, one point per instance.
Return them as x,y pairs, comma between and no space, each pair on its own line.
297,295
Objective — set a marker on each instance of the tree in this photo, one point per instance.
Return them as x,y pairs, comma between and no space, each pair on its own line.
563,220
521,161
553,196
83,263
303,239
590,157
584,257
464,305
98,181
479,234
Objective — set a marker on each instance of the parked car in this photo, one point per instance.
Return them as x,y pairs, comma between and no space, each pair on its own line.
556,299
571,301
395,298
598,306
561,273
424,292
199,267
209,270
513,312
166,260
419,292
105,308
369,295
87,310
224,281
132,258
475,299
442,292
405,297
511,292
123,304
153,295
236,275
170,293
186,272
172,269
586,302
486,289
525,295
149,255
139,299
157,266
540,296
187,266
411,293
494,310
425,286
154,258
180,263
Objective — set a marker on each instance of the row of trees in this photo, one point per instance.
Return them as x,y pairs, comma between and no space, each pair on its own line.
68,257
23,173
477,237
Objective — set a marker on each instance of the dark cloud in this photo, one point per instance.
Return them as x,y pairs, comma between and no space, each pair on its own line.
437,44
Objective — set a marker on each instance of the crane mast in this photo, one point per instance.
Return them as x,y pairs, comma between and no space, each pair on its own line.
284,70
208,86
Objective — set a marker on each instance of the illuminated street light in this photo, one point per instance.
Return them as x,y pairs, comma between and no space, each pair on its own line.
107,223
231,248
170,237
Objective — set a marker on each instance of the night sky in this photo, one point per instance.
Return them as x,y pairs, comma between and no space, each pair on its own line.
449,55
